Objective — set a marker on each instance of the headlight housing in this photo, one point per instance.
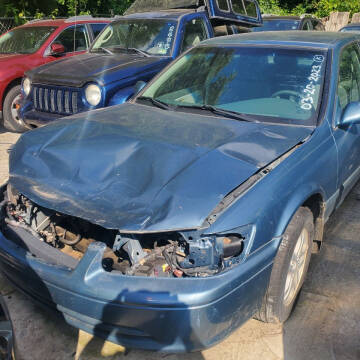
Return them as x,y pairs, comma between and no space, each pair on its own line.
26,86
93,94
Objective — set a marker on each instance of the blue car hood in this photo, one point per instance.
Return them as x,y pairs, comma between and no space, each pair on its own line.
94,67
138,168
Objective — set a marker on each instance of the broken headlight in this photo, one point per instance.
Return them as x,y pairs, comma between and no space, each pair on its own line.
184,253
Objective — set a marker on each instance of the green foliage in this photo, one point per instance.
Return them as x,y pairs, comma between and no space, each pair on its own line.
37,8
271,7
94,7
22,8
320,8
325,7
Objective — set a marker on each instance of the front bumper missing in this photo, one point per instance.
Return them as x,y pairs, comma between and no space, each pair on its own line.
167,314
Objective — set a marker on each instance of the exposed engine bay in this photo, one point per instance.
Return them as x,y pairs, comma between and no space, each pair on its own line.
167,254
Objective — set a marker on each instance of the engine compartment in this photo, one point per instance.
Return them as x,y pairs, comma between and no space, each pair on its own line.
166,254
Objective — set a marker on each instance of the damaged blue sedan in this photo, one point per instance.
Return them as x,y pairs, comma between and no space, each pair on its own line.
167,222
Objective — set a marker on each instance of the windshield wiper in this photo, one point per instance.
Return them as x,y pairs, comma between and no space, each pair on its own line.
221,112
141,52
157,103
103,49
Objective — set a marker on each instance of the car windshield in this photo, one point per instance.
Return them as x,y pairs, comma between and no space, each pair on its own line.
276,85
278,25
24,40
152,36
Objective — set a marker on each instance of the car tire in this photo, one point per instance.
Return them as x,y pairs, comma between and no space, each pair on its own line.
11,120
289,269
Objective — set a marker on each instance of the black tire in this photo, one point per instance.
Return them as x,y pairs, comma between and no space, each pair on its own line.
11,123
278,301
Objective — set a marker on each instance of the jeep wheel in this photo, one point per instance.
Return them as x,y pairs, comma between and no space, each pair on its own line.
12,122
289,269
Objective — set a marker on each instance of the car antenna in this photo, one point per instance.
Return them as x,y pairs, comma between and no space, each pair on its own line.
76,3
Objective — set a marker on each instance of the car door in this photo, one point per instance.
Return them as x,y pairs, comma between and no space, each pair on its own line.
348,138
194,31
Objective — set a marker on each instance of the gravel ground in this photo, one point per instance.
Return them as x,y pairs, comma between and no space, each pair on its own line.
6,140
325,324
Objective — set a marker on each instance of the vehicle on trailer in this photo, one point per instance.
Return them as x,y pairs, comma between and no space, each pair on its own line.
167,222
7,339
36,43
130,51
353,27
284,23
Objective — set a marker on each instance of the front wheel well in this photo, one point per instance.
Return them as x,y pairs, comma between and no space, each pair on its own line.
316,204
13,83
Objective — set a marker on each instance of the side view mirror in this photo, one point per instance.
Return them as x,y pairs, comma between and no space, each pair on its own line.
139,86
351,114
56,49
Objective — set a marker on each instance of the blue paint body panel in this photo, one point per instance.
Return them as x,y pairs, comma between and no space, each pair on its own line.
169,151
142,169
157,313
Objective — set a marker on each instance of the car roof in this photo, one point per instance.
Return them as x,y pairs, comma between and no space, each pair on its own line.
66,21
351,25
278,17
173,14
317,39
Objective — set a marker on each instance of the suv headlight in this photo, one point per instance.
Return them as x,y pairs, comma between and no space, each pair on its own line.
26,86
93,94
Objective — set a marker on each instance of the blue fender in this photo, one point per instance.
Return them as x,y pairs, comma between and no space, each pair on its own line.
122,96
299,198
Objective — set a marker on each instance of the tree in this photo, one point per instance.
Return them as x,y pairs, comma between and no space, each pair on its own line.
22,8
55,8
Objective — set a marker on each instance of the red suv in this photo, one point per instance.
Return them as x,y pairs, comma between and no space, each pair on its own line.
34,44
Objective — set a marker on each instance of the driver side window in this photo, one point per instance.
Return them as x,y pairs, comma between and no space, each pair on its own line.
194,32
349,76
73,39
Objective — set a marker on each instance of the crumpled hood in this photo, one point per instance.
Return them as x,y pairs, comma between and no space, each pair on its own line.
139,168
102,68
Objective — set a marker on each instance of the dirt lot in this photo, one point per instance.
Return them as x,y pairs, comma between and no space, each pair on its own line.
325,324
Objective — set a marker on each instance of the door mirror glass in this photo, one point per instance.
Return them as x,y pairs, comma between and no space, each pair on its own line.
139,86
57,49
351,114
